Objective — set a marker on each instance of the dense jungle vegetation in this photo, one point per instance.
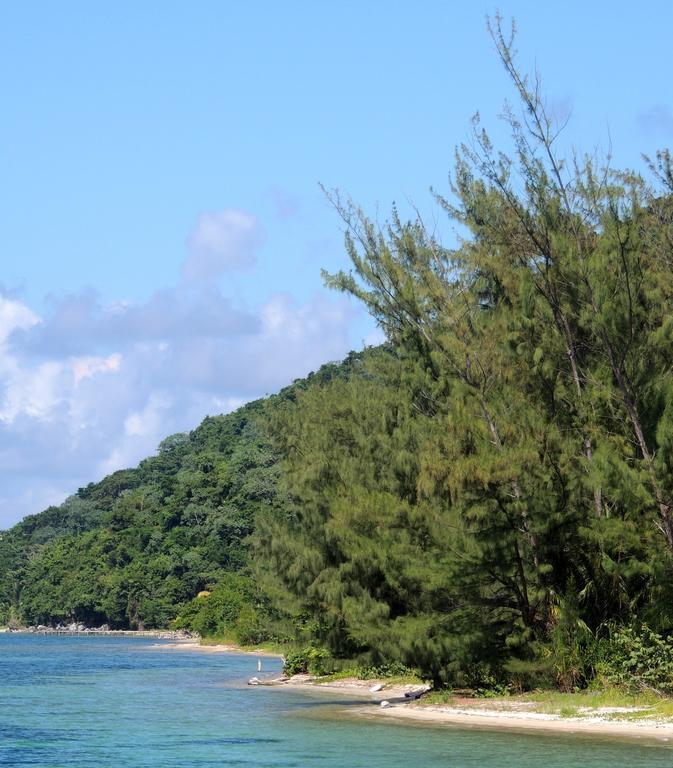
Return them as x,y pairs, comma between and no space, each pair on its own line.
487,499
131,550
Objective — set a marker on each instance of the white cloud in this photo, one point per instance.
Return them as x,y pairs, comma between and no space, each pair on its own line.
227,404
148,420
14,316
86,367
33,392
221,241
143,431
88,389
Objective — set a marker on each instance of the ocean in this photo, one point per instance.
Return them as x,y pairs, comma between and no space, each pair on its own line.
104,701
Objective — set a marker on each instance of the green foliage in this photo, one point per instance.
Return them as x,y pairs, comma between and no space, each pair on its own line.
383,671
235,609
296,663
498,484
134,550
310,660
637,659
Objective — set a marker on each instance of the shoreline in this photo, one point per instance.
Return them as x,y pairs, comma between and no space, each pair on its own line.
659,731
163,634
404,709
400,704
411,712
193,644
174,639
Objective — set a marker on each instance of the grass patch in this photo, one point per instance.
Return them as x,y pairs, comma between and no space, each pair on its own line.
445,696
342,674
357,673
648,705
644,706
594,699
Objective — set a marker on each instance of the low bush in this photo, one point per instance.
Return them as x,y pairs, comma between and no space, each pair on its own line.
637,659
234,610
311,660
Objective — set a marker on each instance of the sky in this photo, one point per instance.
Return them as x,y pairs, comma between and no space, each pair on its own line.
162,225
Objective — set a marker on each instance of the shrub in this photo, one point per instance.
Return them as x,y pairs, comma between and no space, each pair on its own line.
391,669
311,660
637,659
232,610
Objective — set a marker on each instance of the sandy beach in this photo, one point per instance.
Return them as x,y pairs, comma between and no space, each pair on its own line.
478,713
524,721
470,713
189,644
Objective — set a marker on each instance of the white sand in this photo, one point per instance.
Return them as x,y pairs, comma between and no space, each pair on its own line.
527,721
592,721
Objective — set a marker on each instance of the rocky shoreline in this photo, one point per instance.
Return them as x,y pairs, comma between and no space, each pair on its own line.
104,630
382,692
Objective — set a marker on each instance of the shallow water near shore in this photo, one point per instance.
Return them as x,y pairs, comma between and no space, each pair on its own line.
101,701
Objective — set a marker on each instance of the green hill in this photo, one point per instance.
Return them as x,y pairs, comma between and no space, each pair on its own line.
131,550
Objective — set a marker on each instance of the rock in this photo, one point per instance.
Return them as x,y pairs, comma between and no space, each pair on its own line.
385,704
376,688
253,681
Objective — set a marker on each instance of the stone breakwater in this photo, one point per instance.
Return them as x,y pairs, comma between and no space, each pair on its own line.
81,629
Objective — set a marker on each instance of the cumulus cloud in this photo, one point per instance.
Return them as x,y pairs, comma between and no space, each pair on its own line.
89,387
86,367
142,431
221,241
76,323
14,316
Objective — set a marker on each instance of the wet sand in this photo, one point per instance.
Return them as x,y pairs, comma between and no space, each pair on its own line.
402,706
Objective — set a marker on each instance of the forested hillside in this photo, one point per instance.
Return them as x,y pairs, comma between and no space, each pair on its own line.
131,550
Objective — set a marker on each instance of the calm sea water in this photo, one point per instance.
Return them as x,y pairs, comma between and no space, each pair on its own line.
101,702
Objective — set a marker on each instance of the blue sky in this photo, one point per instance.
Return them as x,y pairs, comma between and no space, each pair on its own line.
161,221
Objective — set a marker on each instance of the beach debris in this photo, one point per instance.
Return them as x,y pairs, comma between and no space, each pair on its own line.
273,681
376,688
385,703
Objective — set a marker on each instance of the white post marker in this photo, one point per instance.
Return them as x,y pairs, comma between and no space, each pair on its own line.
259,665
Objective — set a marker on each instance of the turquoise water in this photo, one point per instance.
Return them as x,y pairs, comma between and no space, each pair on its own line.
100,702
